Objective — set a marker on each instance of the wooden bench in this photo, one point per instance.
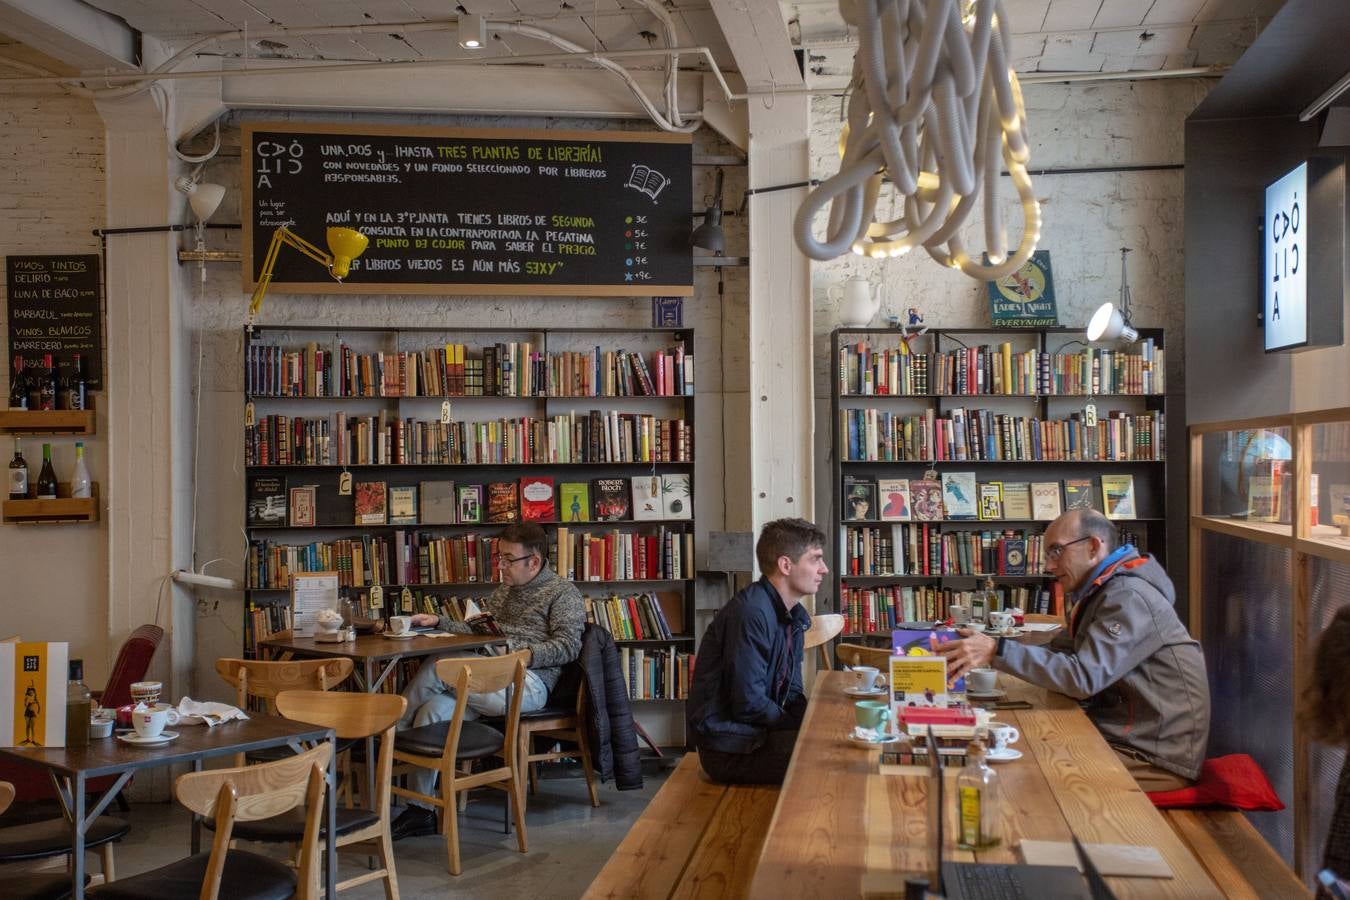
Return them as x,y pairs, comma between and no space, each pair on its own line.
695,839
1239,860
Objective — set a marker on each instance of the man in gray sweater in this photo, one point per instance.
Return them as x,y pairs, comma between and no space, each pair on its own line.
1124,655
538,612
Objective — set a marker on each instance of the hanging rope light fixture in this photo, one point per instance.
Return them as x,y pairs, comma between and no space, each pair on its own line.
935,108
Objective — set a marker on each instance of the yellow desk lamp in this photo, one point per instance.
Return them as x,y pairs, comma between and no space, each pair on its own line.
345,244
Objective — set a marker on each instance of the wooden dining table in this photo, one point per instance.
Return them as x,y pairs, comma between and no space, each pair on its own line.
842,829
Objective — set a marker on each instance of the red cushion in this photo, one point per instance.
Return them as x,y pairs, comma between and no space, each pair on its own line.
1234,782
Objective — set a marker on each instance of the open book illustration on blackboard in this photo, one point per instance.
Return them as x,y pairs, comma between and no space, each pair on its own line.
647,180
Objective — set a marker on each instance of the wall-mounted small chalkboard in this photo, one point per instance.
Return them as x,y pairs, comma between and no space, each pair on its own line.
474,211
54,308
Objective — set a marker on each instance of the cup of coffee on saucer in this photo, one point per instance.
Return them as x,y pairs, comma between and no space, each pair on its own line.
400,625
1000,622
1002,737
982,681
865,680
149,721
871,716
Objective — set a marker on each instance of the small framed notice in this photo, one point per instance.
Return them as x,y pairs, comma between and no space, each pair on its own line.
312,592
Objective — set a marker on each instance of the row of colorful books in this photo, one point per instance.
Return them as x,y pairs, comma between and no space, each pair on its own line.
882,608
637,617
921,549
867,370
656,674
274,500
875,435
600,437
959,496
623,555
513,369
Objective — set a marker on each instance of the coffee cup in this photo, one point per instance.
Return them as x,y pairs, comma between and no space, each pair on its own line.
1001,621
149,721
1001,737
1019,617
400,624
871,714
982,681
958,613
866,678
145,691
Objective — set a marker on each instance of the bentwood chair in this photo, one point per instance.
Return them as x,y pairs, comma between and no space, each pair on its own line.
824,628
858,655
263,679
447,746
238,796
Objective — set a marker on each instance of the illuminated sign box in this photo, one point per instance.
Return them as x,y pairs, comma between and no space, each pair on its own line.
1304,255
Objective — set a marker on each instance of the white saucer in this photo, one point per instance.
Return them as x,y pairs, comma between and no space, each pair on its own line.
401,637
882,741
995,694
864,692
1007,754
162,738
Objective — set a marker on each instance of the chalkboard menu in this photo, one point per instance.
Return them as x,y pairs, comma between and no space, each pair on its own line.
54,308
474,211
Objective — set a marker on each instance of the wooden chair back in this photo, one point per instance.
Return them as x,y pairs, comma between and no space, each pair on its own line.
352,717
484,675
249,793
824,628
858,655
267,678
6,795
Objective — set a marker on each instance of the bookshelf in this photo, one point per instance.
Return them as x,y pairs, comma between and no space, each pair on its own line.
923,433
389,455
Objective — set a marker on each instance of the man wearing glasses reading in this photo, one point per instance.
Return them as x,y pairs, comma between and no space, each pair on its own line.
1125,655
537,611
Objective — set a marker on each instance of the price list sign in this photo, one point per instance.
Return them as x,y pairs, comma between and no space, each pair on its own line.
54,308
476,211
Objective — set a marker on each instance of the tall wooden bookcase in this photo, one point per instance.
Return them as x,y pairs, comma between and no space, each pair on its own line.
351,389
870,585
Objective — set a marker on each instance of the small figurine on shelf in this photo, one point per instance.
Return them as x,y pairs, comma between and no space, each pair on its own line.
910,329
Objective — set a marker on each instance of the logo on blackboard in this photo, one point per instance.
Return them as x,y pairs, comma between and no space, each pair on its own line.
647,181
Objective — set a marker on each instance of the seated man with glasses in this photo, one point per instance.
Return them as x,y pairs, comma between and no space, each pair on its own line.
1125,655
537,611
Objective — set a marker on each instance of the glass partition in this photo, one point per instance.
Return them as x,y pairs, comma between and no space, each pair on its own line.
1247,475
1329,513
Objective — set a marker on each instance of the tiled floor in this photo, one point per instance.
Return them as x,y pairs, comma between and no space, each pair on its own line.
569,842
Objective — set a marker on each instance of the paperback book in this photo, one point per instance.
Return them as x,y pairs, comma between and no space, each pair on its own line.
536,499
503,502
574,501
403,505
1118,495
480,620
438,502
675,496
370,503
647,503
926,500
302,506
1017,500
991,500
266,500
1045,501
958,495
859,499
1079,493
893,498
470,503
611,499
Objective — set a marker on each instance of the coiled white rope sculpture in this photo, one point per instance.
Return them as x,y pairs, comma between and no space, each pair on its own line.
934,107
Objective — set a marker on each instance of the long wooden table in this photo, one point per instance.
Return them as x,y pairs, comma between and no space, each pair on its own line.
841,829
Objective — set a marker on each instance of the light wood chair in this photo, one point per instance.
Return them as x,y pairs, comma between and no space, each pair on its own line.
263,679
240,795
443,746
824,628
858,655
558,724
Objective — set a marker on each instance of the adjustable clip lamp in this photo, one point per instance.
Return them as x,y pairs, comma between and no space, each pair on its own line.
709,236
1109,323
345,244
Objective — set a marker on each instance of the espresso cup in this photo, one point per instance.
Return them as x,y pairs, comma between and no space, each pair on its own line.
145,691
1001,737
150,721
1000,621
866,678
871,714
400,624
982,681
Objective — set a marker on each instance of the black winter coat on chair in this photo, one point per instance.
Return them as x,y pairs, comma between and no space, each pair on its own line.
610,727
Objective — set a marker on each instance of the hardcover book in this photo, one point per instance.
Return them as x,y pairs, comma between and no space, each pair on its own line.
470,503
1017,500
925,497
302,506
266,500
403,505
958,495
647,502
893,498
991,500
611,499
370,503
574,501
1079,493
676,496
536,499
438,502
859,499
1014,556
503,503
1045,501
1118,495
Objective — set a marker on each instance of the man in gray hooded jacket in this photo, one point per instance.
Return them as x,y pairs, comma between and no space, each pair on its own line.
1125,655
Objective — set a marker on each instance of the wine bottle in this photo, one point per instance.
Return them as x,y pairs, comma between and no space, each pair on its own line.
18,386
46,486
77,393
79,482
48,384
18,474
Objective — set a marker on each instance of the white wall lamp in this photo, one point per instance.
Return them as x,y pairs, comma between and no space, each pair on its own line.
1109,323
204,198
472,31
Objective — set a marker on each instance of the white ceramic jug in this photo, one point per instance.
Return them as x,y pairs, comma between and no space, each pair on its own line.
858,299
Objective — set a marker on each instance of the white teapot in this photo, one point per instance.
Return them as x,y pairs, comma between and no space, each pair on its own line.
858,299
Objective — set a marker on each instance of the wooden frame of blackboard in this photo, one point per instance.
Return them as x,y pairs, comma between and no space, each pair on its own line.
372,129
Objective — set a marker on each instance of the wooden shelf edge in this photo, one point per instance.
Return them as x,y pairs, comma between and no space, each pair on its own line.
61,511
46,421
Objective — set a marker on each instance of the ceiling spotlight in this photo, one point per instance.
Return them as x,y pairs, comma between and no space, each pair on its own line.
472,31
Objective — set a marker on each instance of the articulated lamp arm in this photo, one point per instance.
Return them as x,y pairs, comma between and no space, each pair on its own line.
346,244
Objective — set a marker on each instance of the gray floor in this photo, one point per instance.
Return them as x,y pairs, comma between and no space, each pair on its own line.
569,842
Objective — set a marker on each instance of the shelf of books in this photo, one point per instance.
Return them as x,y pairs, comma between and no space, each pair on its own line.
394,456
955,448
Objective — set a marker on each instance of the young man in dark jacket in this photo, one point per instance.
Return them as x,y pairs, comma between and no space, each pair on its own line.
746,702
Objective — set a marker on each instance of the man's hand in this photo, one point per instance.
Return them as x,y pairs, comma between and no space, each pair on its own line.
422,620
975,650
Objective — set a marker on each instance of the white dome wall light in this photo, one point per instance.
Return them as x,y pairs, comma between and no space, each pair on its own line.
1109,323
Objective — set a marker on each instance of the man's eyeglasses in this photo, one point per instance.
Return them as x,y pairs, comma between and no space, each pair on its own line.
1055,551
504,561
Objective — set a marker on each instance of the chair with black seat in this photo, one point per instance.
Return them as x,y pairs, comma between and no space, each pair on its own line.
444,746
240,795
32,885
561,718
352,717
51,837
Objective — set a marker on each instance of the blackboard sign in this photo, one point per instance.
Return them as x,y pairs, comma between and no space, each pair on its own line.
54,308
474,211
